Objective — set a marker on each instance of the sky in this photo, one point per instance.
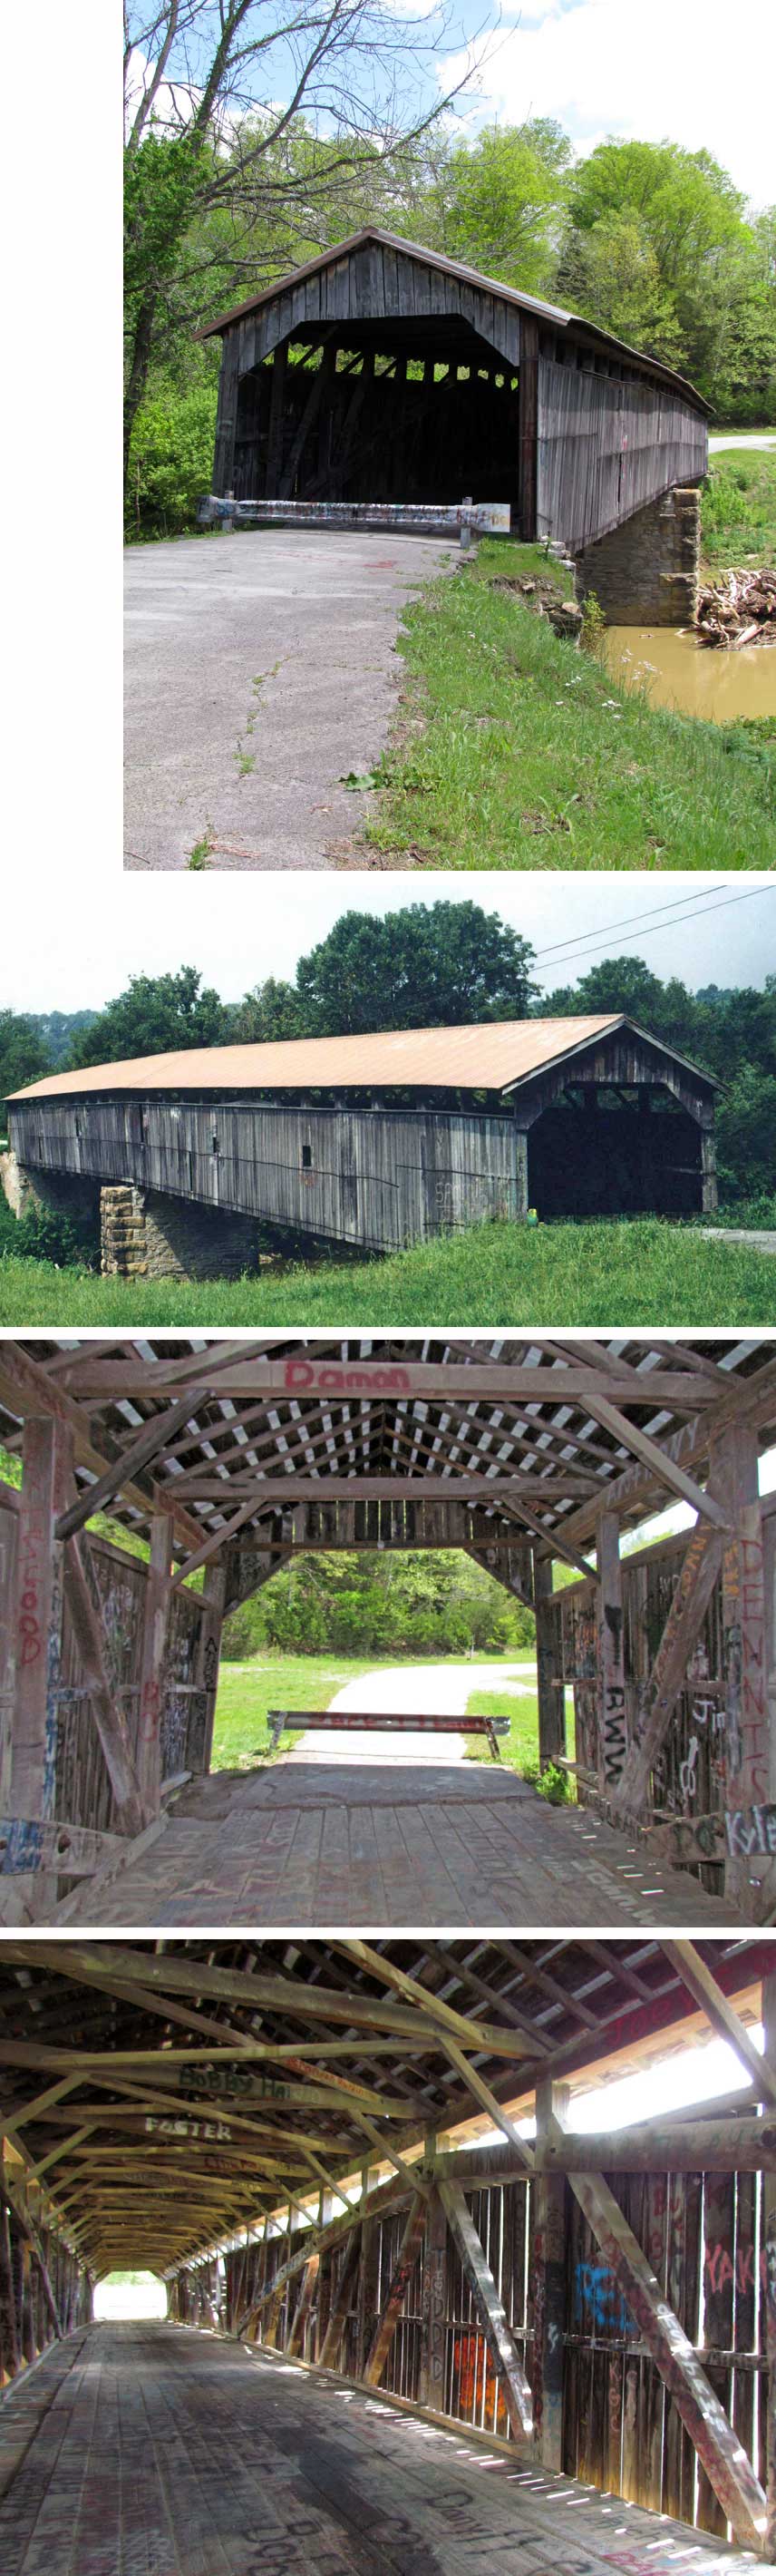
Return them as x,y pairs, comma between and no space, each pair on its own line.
240,930
615,67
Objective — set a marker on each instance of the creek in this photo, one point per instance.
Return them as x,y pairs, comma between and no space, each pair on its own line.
696,679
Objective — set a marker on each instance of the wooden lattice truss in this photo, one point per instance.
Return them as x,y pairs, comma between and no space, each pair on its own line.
158,2103
232,1456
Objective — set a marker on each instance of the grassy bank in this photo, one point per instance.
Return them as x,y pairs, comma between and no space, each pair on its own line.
247,1691
514,749
636,1272
520,1748
738,512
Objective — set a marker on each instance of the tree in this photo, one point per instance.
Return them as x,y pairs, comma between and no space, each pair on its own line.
426,966
273,1010
497,202
746,1127
155,1014
214,91
655,238
23,1056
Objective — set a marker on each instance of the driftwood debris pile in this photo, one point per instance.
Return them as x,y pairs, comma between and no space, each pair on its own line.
739,608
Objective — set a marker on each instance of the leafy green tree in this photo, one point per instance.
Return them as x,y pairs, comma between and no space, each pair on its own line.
155,1014
746,1129
273,1010
435,1602
653,238
23,1055
426,966
497,203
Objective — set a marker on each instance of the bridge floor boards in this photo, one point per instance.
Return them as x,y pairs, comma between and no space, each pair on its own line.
391,1845
166,2453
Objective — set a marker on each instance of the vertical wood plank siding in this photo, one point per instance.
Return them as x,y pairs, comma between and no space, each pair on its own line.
688,1780
622,2432
374,1178
606,446
82,1790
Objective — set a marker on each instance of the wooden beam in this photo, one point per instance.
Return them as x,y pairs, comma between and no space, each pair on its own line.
46,1484
750,1767
166,1972
769,2247
330,2347
295,2336
498,2335
409,2173
386,2326
131,1816
719,2451
27,1387
711,2146
432,2375
310,1374
156,1625
651,1454
277,1492
612,1724
700,1569
487,2100
154,1437
551,1702
549,2282
746,1400
688,1964
59,1849
432,2006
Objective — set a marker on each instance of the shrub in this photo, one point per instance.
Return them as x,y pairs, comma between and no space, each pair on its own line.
171,461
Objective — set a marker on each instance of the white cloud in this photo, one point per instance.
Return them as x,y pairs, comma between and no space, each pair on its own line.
615,67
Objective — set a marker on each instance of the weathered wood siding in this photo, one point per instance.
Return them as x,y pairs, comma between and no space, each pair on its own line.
689,1775
381,1523
373,1177
606,445
83,1794
622,2432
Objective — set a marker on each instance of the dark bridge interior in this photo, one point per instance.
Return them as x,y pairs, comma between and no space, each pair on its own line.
410,409
607,1151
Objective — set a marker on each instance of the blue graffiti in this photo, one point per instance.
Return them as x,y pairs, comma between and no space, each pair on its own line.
597,2297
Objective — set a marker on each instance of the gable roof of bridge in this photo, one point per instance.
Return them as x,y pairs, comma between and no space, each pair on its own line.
554,314
492,1055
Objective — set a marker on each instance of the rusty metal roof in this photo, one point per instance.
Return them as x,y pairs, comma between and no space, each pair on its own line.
492,1055
488,1055
552,313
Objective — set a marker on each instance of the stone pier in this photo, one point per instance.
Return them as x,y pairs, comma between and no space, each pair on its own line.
646,571
144,1234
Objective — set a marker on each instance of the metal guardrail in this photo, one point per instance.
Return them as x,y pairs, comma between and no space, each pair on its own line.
460,519
376,1722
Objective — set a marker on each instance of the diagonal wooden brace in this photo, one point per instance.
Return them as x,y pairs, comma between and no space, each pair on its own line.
700,1569
498,2335
719,2450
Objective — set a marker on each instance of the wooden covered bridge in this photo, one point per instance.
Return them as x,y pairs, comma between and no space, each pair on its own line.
383,372
371,1141
224,1461
432,2311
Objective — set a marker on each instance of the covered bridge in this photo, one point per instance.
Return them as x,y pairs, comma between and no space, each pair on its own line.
373,1141
227,1462
382,372
406,2332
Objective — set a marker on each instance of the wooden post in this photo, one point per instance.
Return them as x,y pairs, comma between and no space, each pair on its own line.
498,2334
296,2332
276,417
209,1652
719,2451
700,1569
552,1713
769,2244
433,2299
226,423
549,2259
155,1634
709,1191
528,426
47,1480
750,1866
330,2347
612,1728
9,2340
386,2326
521,1172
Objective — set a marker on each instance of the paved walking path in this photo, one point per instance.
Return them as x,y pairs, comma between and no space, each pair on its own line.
259,672
427,1690
165,2452
756,1236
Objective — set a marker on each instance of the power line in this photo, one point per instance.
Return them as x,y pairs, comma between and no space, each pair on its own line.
598,941
625,918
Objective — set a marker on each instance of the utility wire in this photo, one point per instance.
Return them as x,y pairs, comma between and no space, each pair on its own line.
598,941
625,918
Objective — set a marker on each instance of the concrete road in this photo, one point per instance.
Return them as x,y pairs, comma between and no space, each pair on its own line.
259,671
426,1690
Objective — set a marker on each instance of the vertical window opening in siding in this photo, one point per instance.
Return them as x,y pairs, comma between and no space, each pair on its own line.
307,1158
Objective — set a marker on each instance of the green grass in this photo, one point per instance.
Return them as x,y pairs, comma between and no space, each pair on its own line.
514,749
521,1746
247,1691
738,513
640,1271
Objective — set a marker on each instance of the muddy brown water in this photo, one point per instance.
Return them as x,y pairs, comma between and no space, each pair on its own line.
676,671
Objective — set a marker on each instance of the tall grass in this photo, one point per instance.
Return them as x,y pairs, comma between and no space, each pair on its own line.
639,1271
517,750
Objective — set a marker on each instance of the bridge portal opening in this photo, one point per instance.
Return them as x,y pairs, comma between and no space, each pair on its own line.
126,2298
611,1151
408,411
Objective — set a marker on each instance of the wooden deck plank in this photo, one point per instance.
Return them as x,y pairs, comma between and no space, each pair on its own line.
395,1845
164,2452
